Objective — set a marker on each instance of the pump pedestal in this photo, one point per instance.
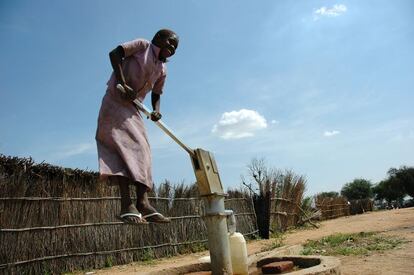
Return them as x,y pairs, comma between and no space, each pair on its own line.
211,190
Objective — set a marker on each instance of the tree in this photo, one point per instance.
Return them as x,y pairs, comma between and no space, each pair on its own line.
389,190
403,178
265,178
331,194
357,189
398,184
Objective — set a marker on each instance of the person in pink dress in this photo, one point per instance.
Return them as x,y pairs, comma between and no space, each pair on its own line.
123,149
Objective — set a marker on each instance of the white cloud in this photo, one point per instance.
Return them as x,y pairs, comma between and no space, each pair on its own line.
331,133
336,10
275,121
239,124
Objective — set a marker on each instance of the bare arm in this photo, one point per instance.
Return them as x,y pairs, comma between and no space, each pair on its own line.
155,100
116,56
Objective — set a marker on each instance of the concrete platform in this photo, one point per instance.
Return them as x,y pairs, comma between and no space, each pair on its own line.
310,265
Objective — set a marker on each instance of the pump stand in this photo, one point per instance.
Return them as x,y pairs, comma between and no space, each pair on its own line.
211,190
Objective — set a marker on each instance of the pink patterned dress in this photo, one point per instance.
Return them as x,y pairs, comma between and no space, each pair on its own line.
123,147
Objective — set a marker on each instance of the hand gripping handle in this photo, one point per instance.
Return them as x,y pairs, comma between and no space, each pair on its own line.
159,123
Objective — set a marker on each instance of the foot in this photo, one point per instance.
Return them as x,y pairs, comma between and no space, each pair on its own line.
150,214
131,215
156,217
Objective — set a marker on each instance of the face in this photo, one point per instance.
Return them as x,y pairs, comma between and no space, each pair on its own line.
168,46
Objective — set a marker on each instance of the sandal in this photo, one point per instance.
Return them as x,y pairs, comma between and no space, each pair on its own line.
122,218
156,218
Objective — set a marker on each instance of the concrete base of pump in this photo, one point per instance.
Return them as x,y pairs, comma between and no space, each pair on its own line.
303,264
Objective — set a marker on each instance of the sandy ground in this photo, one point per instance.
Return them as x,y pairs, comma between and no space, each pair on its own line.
398,222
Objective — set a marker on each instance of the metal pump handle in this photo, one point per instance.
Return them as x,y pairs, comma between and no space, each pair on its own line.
159,123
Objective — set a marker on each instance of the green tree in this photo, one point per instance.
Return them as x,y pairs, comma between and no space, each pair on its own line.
403,178
331,194
357,189
396,186
389,190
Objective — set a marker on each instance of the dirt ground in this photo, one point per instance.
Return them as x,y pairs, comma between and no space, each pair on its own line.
398,222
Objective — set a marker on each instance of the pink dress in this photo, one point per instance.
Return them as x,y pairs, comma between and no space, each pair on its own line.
123,148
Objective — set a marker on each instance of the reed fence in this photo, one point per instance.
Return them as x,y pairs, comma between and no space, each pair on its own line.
55,220
286,214
332,208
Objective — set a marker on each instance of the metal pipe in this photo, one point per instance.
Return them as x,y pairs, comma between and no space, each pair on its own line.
231,221
218,240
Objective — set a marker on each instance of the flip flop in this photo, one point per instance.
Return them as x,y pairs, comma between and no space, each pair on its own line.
156,218
122,217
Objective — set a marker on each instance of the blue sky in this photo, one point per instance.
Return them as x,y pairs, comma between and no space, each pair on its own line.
321,87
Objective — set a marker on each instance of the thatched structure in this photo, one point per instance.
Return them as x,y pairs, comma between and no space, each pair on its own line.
285,209
277,196
54,220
